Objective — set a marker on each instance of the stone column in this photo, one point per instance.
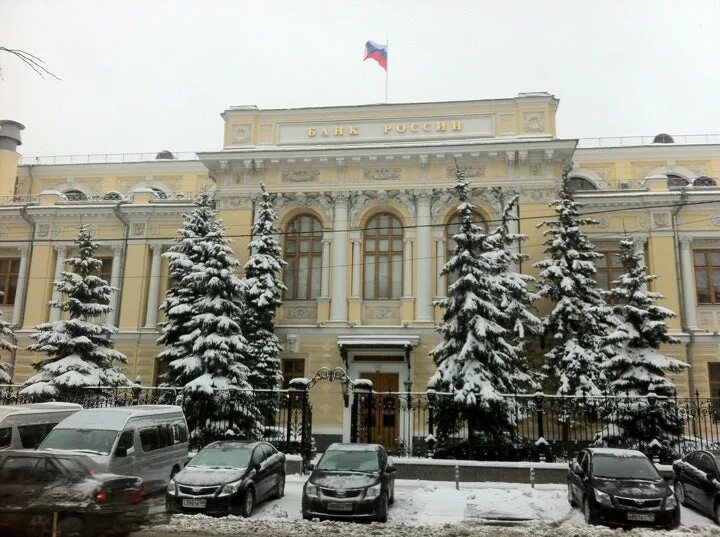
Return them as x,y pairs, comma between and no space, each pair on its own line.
325,271
112,319
441,280
407,268
59,267
21,283
338,303
423,302
154,287
356,268
689,292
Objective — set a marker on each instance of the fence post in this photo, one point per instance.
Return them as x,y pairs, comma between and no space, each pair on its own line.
288,426
539,398
304,451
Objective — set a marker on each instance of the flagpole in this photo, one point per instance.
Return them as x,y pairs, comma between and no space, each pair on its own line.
387,49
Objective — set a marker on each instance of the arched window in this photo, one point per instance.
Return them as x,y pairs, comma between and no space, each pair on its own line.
160,193
453,228
383,257
676,181
75,195
580,183
303,254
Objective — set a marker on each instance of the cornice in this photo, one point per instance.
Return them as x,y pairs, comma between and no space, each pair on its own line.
157,167
654,152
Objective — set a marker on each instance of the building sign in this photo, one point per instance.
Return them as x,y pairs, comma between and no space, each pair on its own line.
382,130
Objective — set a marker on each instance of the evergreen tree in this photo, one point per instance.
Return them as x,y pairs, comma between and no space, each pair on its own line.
7,337
577,326
205,345
481,355
263,295
80,349
638,367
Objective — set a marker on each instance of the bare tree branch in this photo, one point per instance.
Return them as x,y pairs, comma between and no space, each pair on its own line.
35,63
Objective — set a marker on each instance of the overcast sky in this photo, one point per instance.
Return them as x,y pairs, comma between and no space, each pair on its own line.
145,75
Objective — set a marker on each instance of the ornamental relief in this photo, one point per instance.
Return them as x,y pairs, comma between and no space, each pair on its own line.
300,176
381,312
470,171
297,312
533,122
382,174
321,202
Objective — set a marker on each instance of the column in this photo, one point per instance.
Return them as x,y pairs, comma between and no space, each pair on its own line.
356,268
514,228
325,272
688,283
338,304
59,267
154,287
441,279
407,269
20,290
112,319
423,302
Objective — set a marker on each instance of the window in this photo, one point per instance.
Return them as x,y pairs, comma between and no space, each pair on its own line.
706,464
150,439
576,184
31,436
9,270
5,437
106,268
707,276
47,472
127,440
714,376
75,195
18,469
609,268
181,433
303,254
383,249
292,368
453,228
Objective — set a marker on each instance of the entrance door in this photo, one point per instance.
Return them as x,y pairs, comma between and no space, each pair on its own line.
386,410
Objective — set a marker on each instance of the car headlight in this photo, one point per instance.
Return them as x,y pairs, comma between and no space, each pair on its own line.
373,492
603,498
172,487
670,502
311,490
230,488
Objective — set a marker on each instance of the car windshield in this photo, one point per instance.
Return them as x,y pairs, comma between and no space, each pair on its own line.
358,461
222,457
96,441
610,467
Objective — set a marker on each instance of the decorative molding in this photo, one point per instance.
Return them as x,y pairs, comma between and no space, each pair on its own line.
304,311
240,134
644,221
533,122
661,219
382,174
137,229
603,222
300,176
381,311
715,221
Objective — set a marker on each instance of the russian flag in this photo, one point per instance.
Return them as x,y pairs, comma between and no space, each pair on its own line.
376,52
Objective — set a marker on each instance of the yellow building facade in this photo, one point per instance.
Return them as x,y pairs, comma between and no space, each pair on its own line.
365,208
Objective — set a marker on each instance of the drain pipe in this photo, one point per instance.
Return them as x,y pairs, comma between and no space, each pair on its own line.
31,224
681,294
126,224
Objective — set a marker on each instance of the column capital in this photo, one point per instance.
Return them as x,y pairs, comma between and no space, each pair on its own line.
117,251
423,197
157,248
510,156
340,197
61,249
327,241
24,249
686,241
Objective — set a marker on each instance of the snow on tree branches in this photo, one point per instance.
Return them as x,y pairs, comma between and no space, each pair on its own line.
577,326
486,317
202,334
263,295
7,336
638,367
80,349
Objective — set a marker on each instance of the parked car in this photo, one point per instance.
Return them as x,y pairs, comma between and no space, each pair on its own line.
228,477
696,481
36,484
147,441
621,487
26,426
350,481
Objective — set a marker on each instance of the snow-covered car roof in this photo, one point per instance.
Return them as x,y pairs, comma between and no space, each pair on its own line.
36,408
114,419
617,452
354,447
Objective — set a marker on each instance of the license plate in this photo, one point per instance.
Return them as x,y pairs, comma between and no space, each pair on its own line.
194,504
641,517
337,506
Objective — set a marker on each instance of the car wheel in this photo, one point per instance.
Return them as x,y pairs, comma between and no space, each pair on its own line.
382,513
71,527
248,503
680,493
571,498
590,517
280,488
39,526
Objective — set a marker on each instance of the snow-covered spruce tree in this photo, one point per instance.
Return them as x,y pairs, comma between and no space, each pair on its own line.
263,295
206,347
80,349
480,357
638,367
577,326
7,337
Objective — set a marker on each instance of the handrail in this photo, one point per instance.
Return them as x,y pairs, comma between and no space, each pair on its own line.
627,141
104,158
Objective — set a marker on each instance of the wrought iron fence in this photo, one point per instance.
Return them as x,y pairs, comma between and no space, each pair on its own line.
540,427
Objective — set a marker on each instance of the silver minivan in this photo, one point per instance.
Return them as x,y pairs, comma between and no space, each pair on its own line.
26,426
147,441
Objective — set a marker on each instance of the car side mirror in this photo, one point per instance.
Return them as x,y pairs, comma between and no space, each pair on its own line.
390,469
310,466
121,451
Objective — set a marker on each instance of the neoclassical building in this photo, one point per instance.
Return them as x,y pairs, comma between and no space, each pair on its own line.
366,213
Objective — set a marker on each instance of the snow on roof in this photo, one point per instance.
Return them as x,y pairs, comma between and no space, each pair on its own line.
617,452
354,447
114,419
36,408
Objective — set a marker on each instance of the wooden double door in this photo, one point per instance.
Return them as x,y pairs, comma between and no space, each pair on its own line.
385,418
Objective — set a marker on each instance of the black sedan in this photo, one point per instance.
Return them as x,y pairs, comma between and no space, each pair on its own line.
696,481
621,487
36,485
350,481
228,477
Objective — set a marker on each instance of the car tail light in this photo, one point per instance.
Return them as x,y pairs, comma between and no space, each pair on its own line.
101,496
136,497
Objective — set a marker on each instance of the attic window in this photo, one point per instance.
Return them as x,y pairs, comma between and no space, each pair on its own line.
164,155
580,183
160,193
75,195
704,180
663,138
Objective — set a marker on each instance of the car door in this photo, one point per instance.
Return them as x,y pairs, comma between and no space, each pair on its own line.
262,473
274,466
692,478
576,481
16,476
707,485
123,459
387,471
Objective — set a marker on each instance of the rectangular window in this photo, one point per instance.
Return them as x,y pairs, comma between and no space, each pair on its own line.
106,269
707,276
292,368
9,271
714,376
609,267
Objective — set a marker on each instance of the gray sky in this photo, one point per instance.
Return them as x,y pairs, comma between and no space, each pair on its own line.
153,74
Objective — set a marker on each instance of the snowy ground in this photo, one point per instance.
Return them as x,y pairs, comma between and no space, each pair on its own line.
430,508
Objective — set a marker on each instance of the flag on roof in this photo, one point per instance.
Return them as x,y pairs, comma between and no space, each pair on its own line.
377,52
